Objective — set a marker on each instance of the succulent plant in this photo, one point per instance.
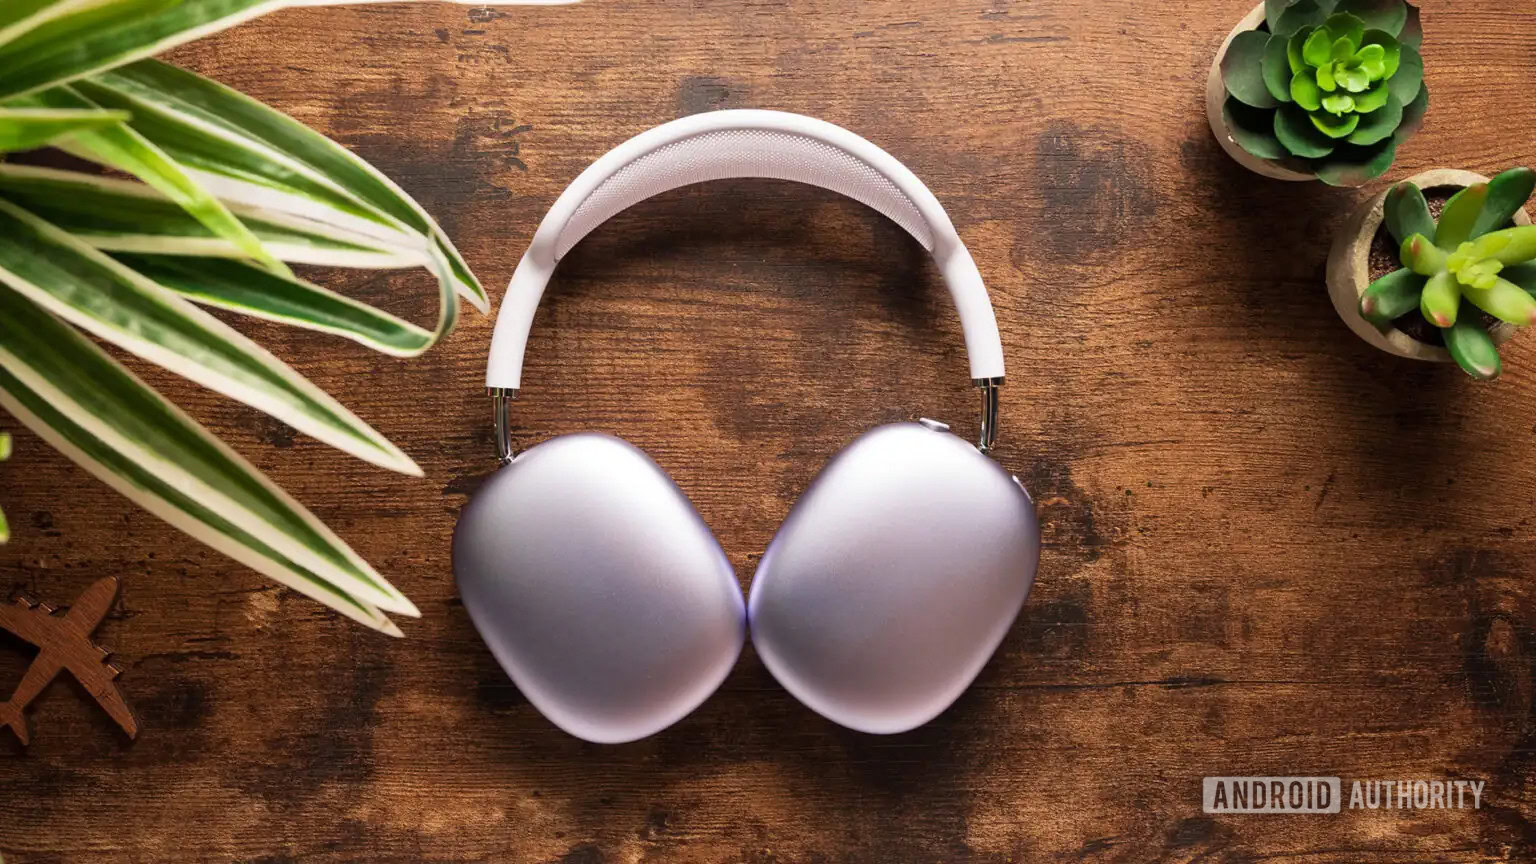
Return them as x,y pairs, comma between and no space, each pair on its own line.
1463,263
1327,87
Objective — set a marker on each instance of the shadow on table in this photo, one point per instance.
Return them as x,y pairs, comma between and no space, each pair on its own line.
1402,415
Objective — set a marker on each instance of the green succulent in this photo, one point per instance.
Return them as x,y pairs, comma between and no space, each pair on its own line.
1327,87
1464,262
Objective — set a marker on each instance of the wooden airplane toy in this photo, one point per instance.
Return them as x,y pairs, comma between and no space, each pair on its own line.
64,642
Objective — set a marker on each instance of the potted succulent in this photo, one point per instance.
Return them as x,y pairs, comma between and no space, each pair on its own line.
1319,89
1440,267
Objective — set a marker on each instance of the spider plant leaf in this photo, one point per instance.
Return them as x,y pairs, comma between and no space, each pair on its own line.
239,287
19,16
94,292
121,216
92,36
31,29
246,152
102,417
176,508
27,128
124,216
119,146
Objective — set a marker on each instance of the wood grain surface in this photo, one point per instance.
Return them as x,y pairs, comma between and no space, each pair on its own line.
1270,549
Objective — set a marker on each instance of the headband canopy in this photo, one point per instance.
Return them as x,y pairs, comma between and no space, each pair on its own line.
744,143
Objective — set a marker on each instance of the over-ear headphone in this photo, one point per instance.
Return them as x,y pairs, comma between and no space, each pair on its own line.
891,582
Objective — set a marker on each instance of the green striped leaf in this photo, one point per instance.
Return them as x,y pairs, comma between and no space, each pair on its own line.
121,216
29,28
262,157
26,128
119,146
124,216
101,35
238,287
227,184
103,418
90,36
94,292
19,16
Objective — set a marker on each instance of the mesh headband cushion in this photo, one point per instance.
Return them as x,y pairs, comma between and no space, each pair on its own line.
731,153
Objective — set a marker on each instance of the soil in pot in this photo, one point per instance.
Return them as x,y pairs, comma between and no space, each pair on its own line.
1385,258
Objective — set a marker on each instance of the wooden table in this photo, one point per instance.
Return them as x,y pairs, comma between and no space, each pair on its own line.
1270,549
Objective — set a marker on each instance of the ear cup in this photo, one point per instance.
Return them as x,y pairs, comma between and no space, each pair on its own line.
894,578
598,587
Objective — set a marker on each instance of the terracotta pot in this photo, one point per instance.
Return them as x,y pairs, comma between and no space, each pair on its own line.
1216,97
1349,269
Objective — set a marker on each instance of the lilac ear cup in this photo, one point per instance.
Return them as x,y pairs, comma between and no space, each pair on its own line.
598,587
895,577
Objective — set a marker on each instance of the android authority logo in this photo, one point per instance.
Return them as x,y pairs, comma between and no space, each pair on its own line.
1326,794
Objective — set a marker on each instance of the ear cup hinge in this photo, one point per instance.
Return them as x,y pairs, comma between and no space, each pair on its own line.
501,406
989,388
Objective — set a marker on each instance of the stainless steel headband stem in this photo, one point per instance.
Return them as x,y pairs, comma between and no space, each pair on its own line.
989,388
501,405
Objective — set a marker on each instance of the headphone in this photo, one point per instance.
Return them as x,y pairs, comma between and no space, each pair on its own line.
605,597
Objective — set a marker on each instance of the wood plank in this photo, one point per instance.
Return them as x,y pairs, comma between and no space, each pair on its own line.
1270,548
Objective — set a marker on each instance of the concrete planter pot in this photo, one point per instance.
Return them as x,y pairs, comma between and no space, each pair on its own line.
1349,269
1216,97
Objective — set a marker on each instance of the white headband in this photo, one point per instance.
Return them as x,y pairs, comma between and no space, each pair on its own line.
743,143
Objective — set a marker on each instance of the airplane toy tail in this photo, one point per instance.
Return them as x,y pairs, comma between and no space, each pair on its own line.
11,716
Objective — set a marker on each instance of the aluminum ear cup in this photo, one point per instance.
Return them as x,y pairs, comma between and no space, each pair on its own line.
894,578
598,587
